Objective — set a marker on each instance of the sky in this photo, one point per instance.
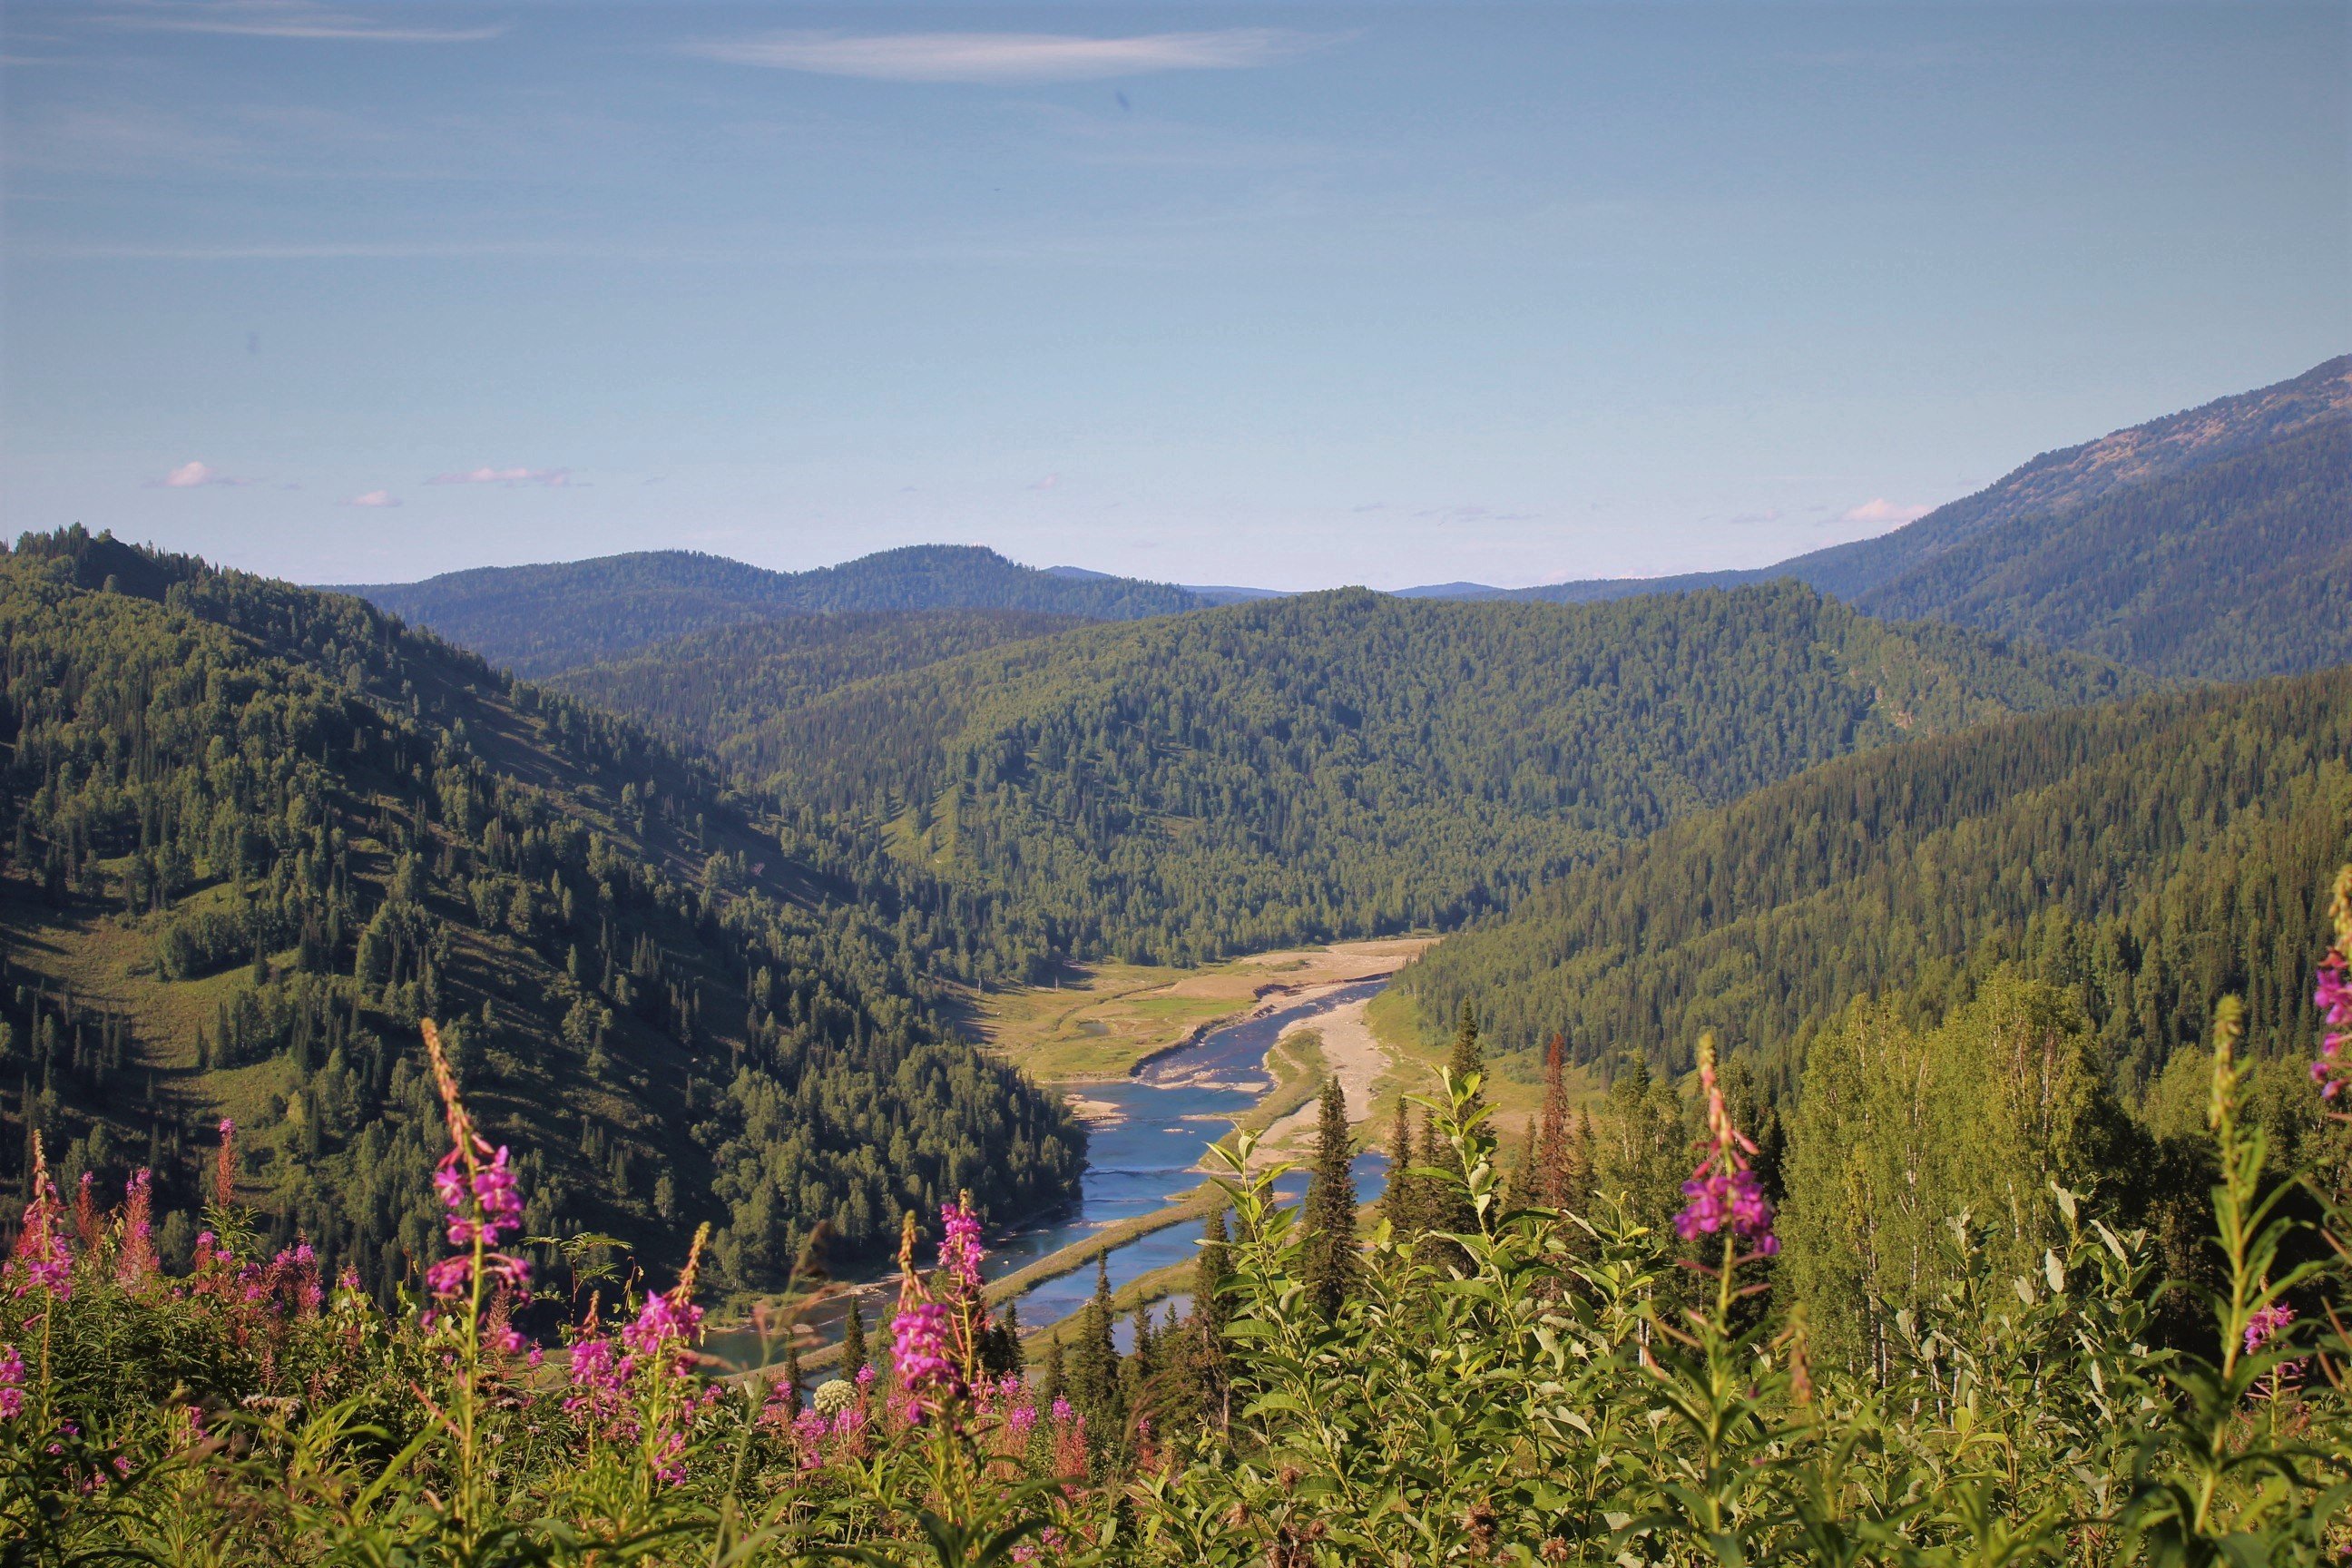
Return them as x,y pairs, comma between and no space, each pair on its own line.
1289,295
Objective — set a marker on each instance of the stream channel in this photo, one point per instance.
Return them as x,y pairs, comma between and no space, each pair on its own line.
1141,1155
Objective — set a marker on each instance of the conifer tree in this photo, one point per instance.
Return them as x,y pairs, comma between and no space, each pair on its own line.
1551,1142
789,1374
1056,1383
1401,1199
1094,1361
853,1340
1330,1214
1467,1058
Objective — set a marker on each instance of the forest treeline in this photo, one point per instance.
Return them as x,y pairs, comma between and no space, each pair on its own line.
1346,763
2147,857
254,833
537,620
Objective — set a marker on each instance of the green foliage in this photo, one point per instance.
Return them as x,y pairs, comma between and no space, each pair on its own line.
538,620
1329,1216
1344,764
2147,857
273,830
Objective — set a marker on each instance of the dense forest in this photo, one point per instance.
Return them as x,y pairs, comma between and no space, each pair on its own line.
2237,568
1345,764
2148,857
537,620
254,833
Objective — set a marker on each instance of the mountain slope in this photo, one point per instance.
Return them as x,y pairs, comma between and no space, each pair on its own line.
2150,855
707,688
254,832
1348,763
2049,516
2239,568
537,620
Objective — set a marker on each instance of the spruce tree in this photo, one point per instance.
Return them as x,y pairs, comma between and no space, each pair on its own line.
1329,1216
1201,1359
1466,1059
1401,1199
789,1375
1551,1143
853,1340
1094,1363
1056,1383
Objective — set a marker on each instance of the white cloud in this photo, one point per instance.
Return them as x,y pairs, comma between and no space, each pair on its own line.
291,19
193,474
554,478
1003,57
1047,483
1879,509
376,498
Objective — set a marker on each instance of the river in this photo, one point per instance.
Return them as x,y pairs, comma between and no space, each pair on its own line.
1142,1152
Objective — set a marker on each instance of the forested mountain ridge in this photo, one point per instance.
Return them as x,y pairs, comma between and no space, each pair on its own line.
2150,856
1348,763
254,832
537,620
707,687
2235,569
2022,555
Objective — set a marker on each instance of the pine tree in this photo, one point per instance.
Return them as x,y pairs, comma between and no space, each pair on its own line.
1094,1363
1056,1383
1330,1214
1466,1059
789,1375
852,1340
1551,1143
1400,1200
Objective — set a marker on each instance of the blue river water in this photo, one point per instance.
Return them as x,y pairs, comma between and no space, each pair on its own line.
1143,1151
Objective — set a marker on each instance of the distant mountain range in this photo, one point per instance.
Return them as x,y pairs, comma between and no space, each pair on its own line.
2215,542
536,620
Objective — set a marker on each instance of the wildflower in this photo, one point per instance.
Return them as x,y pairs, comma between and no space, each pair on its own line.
1723,1190
12,1383
136,1262
225,1165
923,1341
43,1260
477,1189
866,1376
2333,997
2263,1325
833,1396
959,1247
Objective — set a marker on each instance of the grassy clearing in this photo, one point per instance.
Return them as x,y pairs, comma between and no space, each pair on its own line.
1118,1014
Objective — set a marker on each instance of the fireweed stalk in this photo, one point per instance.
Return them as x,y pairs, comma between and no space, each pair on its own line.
483,1208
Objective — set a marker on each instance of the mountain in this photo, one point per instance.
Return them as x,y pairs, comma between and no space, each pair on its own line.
707,688
2150,856
2237,568
2121,546
1341,764
254,832
536,620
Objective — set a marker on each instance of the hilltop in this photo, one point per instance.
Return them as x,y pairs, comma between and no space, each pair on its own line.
537,620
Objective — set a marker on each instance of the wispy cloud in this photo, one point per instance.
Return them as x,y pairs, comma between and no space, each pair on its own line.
291,20
1047,483
1004,58
554,478
374,498
194,475
1880,510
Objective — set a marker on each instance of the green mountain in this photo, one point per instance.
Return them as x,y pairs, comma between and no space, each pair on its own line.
537,620
2209,543
2241,567
2150,856
1341,764
707,687
254,832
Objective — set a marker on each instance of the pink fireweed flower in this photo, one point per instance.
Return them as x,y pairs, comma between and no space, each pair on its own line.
1723,1190
12,1383
959,1247
225,1165
43,1260
865,1375
477,1189
922,1351
2333,997
136,1262
2262,1326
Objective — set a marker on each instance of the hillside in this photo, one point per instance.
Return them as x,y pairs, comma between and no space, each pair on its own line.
254,832
537,620
2240,568
2150,856
1348,763
2023,555
707,686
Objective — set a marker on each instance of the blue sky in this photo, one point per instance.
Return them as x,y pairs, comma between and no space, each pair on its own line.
1291,295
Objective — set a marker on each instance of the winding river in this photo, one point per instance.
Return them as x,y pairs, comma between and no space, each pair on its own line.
1144,1150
